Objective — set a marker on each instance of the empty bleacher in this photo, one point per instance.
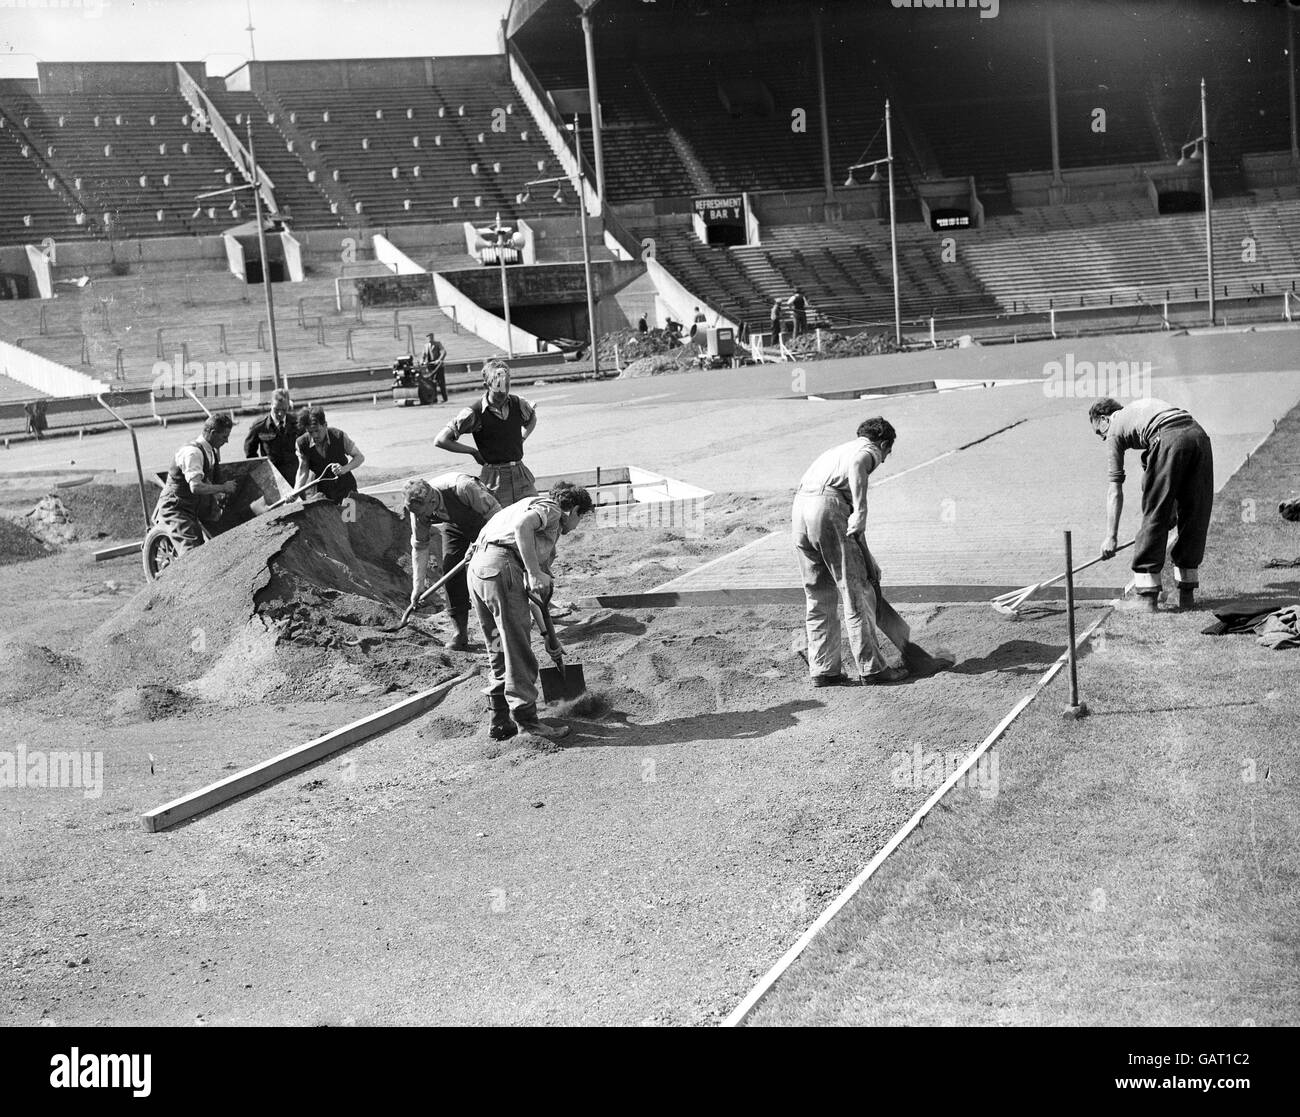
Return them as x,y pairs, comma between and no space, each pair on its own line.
457,151
299,194
213,316
36,205
135,161
1138,260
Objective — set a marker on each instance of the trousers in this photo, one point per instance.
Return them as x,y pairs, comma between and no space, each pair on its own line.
1177,489
498,589
509,482
837,569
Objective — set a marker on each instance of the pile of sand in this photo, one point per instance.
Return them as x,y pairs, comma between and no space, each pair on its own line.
17,544
275,608
29,670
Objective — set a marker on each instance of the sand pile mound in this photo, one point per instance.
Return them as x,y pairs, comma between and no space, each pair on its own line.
268,610
29,670
17,544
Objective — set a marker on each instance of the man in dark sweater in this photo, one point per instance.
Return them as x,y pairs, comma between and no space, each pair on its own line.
499,422
274,435
328,455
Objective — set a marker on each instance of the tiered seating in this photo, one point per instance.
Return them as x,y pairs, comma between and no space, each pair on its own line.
193,313
1128,138
133,158
299,198
423,154
753,152
1139,260
32,210
843,270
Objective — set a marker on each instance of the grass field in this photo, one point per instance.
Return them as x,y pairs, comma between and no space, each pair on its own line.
1141,866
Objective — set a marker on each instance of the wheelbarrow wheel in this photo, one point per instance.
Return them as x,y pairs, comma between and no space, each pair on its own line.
158,551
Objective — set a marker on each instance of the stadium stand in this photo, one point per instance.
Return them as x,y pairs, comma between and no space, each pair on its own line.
299,193
133,159
1140,261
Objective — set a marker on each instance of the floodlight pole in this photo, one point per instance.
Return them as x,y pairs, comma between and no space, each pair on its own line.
280,382
1209,204
893,229
586,257
499,231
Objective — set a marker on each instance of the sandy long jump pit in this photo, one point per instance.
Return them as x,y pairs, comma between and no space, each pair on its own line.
706,806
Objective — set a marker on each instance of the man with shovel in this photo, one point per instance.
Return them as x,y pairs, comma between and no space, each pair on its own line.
511,564
828,523
461,506
194,477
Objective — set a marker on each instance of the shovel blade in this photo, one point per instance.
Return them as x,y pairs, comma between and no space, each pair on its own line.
561,686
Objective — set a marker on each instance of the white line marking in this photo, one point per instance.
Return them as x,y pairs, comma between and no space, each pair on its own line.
760,990
667,586
646,399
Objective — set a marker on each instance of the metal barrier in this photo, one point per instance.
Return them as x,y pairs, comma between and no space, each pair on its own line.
78,335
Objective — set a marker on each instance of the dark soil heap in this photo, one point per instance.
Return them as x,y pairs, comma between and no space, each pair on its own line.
277,608
18,544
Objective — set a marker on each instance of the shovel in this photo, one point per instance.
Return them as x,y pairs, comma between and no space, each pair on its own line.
559,683
410,609
259,507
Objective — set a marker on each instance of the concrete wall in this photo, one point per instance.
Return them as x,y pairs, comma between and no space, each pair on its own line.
110,77
373,73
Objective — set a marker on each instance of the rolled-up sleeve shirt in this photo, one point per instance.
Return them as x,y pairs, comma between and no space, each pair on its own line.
1131,428
191,461
500,529
845,469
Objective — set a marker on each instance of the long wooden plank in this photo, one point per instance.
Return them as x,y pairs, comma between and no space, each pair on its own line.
259,775
118,552
794,595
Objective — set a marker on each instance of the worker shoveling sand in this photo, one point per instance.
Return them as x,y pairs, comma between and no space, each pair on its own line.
273,610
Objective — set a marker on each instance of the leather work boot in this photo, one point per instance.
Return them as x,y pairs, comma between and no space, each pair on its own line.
528,721
458,641
1186,597
1150,602
502,728
888,675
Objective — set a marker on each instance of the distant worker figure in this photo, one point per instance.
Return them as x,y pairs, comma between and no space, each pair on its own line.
434,360
512,560
1177,489
775,316
35,412
275,435
799,308
828,525
674,328
499,423
642,326
462,506
328,455
195,473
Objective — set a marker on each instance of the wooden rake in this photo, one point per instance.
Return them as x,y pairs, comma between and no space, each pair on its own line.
1008,604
